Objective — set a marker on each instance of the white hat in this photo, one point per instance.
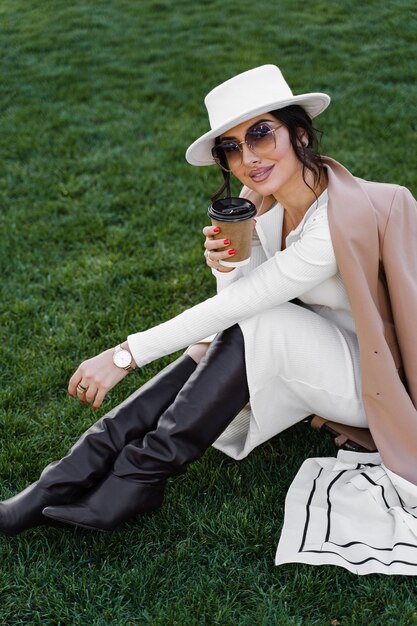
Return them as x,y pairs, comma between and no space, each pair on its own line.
244,96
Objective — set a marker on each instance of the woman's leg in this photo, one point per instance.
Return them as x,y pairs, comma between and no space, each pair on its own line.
207,403
94,453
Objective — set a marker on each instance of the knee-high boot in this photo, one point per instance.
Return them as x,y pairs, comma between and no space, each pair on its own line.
94,453
208,402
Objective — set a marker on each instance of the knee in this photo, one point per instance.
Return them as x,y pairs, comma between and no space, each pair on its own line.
197,351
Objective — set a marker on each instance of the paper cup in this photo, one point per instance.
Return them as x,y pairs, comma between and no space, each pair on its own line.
234,218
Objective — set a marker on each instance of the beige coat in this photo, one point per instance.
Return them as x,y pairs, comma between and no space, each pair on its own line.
374,232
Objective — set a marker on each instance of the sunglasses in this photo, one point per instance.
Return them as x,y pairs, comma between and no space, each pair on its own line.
260,140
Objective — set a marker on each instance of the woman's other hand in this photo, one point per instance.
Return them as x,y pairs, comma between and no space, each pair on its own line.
95,377
217,249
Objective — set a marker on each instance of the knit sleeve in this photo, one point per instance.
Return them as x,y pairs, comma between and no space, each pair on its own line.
303,265
224,279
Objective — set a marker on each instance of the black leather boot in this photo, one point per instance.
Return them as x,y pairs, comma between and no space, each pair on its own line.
94,453
207,403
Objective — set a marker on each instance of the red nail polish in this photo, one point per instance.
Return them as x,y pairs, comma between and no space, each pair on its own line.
81,399
216,230
230,252
71,395
226,242
95,407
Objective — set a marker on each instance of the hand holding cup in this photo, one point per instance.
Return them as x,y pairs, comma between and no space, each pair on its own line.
217,248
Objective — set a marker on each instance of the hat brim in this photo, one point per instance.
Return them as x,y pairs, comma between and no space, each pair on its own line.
199,152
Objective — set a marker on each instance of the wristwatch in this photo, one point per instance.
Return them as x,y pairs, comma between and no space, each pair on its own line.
123,359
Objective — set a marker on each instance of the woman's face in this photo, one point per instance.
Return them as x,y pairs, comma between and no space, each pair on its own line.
275,173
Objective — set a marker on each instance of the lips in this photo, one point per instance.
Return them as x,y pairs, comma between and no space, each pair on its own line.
261,174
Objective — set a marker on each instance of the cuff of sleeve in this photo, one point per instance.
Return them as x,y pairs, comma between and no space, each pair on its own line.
134,352
224,275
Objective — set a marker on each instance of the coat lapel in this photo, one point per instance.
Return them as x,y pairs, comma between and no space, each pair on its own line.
354,231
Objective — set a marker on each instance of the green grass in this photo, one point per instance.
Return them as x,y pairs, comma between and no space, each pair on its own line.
100,232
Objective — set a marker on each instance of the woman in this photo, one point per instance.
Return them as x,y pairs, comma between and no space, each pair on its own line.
336,245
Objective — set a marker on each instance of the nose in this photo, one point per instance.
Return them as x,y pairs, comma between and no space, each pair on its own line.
248,156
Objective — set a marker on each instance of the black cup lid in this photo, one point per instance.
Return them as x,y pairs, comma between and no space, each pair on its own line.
231,209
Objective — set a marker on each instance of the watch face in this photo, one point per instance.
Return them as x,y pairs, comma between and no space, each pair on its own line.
122,358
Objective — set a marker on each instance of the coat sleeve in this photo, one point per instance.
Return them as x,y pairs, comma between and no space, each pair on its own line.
399,257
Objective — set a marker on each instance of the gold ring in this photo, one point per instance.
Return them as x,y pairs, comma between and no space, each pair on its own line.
79,386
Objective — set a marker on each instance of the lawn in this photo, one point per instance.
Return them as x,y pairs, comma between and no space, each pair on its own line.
100,235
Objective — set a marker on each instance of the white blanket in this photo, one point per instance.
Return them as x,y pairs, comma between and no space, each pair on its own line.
350,511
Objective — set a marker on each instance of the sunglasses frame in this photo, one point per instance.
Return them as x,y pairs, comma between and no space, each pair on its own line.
239,145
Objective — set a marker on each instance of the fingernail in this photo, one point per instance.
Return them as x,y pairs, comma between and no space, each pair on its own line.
226,242
216,230
230,252
81,399
95,407
71,395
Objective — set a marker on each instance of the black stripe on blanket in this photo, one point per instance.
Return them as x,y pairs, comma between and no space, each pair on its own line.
327,536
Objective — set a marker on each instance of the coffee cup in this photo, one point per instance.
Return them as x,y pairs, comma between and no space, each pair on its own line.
233,216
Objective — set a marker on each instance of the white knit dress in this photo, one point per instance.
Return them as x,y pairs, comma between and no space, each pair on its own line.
299,359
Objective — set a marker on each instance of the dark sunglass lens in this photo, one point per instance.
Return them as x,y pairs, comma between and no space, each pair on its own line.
219,156
260,137
231,153
229,147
